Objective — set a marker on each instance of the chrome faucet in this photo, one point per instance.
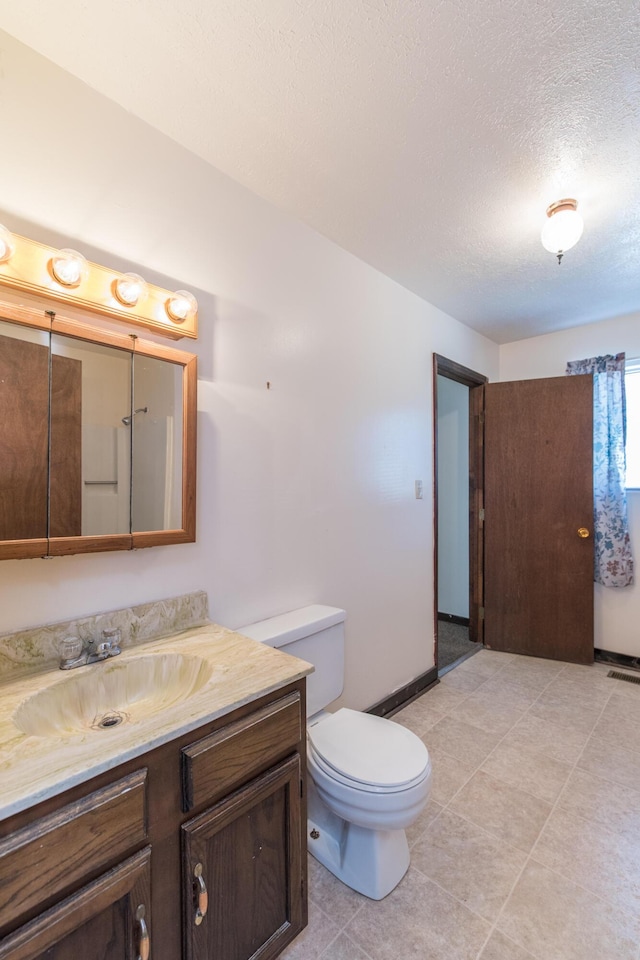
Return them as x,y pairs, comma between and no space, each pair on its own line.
76,652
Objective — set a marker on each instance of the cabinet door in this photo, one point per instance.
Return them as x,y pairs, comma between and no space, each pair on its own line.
105,920
243,868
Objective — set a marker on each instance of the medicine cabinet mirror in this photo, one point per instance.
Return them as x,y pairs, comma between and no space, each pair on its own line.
97,438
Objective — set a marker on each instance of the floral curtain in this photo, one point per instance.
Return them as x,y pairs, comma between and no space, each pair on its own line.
613,558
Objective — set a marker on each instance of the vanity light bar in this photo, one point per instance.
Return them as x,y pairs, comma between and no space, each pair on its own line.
65,275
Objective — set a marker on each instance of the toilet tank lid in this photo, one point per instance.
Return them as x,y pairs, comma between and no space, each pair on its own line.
287,627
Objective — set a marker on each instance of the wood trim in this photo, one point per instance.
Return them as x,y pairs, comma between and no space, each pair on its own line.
476,513
23,549
32,940
455,371
83,331
66,546
400,698
452,370
617,659
26,316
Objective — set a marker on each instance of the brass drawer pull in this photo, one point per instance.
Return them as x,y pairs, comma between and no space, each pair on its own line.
144,944
201,895
583,533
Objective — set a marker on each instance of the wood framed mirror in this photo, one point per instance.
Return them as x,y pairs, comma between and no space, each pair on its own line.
97,438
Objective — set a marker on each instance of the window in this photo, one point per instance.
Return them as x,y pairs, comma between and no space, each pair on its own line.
632,387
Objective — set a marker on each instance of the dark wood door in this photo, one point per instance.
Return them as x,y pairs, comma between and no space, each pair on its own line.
538,575
247,852
100,922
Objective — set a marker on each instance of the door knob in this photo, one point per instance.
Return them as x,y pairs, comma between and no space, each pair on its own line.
583,533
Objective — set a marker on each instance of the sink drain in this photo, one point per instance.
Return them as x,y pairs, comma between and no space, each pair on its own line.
108,720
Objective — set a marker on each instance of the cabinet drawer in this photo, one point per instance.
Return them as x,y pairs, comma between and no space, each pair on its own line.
57,851
225,759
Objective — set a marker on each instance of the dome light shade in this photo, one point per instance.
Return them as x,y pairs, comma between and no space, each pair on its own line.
7,244
563,227
130,288
181,305
68,267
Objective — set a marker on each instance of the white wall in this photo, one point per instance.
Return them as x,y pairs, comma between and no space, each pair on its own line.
306,490
617,611
453,497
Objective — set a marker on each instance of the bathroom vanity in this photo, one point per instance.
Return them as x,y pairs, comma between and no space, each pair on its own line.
178,834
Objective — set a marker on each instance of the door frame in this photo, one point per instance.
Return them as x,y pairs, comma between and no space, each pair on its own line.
452,370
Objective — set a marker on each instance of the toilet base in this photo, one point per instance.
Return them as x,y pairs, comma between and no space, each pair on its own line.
372,862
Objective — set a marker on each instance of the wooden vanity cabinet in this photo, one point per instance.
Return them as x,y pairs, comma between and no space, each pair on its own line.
199,844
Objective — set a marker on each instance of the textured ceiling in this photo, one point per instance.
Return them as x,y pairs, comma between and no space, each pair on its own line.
425,136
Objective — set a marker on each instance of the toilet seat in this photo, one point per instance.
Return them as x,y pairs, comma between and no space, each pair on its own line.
368,753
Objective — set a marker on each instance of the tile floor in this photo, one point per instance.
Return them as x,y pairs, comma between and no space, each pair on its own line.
529,848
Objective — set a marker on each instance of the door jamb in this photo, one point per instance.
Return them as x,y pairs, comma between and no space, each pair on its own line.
444,367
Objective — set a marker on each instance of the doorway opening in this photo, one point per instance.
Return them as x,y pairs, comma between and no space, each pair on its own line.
458,403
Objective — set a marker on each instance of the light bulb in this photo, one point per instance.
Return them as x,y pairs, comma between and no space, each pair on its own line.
563,227
68,267
130,288
181,305
7,245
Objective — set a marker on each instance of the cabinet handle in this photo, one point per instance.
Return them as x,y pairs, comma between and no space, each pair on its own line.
144,943
201,895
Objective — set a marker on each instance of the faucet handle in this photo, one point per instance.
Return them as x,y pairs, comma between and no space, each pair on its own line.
111,638
70,648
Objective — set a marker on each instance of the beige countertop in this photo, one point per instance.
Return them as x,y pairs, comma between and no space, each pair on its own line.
34,768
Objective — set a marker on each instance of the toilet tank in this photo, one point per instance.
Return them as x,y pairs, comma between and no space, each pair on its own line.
316,634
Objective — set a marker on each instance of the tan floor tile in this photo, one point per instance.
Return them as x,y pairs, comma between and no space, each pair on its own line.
573,714
611,761
469,863
535,667
500,947
602,801
628,708
344,949
554,919
463,682
550,739
488,713
512,690
449,775
310,944
615,728
461,740
442,698
336,900
417,717
416,921
484,664
506,812
536,773
593,856
418,827
592,691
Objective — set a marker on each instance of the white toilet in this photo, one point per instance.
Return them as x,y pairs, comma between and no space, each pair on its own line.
369,778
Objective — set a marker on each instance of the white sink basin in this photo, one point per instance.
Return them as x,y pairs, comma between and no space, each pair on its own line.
101,696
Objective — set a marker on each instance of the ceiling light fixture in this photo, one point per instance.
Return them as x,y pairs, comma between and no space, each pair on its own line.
563,227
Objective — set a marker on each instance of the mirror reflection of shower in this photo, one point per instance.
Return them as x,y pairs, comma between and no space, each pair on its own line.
127,420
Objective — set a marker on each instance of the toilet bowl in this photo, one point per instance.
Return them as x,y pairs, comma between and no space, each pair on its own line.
369,778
